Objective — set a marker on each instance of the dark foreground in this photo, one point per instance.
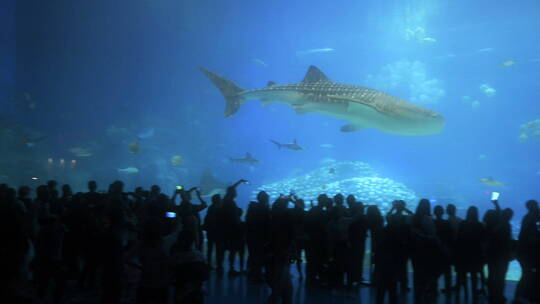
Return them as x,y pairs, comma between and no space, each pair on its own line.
239,289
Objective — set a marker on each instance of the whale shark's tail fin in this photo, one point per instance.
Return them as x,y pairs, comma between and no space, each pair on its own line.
229,90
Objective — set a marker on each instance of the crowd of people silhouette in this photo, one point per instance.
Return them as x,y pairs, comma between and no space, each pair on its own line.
146,242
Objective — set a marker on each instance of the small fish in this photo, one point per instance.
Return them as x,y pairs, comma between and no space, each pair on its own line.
134,147
508,63
259,62
429,39
314,51
331,171
32,105
485,50
248,159
31,142
487,90
291,146
489,181
327,146
81,152
482,157
177,160
324,186
129,170
146,133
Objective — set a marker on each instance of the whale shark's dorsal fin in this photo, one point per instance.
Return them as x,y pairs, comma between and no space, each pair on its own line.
314,75
248,155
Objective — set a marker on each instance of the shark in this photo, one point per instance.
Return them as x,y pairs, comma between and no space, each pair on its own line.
248,159
362,107
291,146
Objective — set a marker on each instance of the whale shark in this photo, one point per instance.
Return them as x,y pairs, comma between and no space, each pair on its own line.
362,107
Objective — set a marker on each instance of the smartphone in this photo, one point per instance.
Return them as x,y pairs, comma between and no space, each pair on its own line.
495,196
170,214
179,187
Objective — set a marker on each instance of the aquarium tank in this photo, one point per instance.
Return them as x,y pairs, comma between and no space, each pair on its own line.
385,100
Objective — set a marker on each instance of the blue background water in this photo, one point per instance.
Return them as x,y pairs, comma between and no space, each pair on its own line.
90,65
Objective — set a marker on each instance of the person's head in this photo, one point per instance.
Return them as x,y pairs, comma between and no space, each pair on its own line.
338,199
321,200
438,211
139,191
42,193
472,214
399,205
280,203
373,211
66,190
24,191
532,206
155,190
263,197
351,200
116,187
451,210
507,215
92,186
216,199
423,208
51,187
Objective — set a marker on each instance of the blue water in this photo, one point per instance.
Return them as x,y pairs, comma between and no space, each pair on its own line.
88,66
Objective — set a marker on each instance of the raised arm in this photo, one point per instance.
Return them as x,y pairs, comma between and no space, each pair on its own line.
497,206
241,181
203,203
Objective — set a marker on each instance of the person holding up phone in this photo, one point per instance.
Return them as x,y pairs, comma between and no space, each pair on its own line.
189,212
499,247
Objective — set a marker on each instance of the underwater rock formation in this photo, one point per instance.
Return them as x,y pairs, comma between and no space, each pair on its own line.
351,177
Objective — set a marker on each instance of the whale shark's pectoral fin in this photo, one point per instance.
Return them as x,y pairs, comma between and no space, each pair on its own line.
351,128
